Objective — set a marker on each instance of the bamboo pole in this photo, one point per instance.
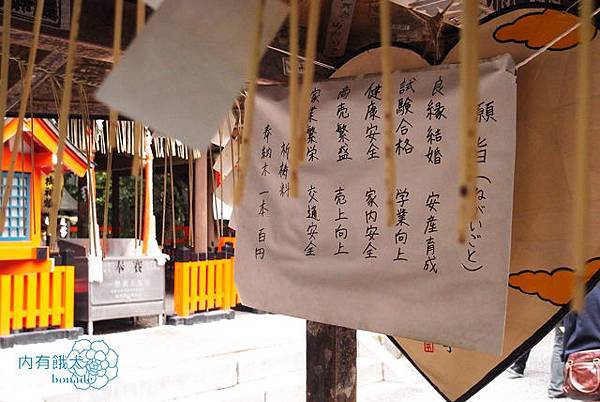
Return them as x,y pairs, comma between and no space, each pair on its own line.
140,183
172,179
469,80
191,197
222,179
32,162
213,187
108,182
233,162
24,201
236,148
92,218
54,86
582,185
18,143
88,154
233,150
136,170
113,115
294,65
164,198
308,78
135,207
148,224
4,71
63,120
385,31
249,104
137,182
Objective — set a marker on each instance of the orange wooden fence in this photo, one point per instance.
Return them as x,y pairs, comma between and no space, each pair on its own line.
204,285
37,300
224,240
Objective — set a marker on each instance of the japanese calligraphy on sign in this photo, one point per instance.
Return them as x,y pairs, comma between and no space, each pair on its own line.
329,255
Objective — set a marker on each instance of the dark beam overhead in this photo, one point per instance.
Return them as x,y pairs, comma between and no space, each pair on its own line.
51,63
23,37
95,32
47,108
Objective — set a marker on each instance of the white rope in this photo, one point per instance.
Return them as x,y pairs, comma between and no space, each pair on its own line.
553,42
316,62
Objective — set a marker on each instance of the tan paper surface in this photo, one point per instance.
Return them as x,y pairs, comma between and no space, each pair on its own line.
336,261
541,251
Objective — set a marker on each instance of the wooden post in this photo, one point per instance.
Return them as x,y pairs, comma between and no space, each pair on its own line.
82,208
212,237
114,210
330,363
200,204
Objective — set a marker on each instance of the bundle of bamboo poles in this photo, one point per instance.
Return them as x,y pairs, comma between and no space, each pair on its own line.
300,102
249,105
17,145
113,116
26,99
63,118
4,71
469,83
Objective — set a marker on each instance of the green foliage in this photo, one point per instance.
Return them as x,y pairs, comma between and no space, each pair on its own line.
126,202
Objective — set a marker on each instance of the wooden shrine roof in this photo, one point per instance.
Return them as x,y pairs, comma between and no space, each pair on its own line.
46,136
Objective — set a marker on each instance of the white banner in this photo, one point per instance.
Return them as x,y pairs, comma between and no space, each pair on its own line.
329,256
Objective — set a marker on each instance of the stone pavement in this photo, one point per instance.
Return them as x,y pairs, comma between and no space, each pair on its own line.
252,358
531,388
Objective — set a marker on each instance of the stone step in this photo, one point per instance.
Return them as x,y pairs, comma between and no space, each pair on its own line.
290,387
185,378
163,363
262,363
195,376
383,392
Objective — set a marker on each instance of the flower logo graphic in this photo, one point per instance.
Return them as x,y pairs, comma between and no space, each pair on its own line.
92,364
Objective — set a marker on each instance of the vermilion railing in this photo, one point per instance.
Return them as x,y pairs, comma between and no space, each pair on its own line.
37,300
204,285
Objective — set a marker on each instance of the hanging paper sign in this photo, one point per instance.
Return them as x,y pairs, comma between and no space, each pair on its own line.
182,73
542,261
329,256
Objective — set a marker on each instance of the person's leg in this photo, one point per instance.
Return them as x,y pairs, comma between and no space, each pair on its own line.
518,367
556,365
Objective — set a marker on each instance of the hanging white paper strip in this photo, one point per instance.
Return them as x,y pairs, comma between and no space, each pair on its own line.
328,255
154,4
227,185
181,75
225,128
227,158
